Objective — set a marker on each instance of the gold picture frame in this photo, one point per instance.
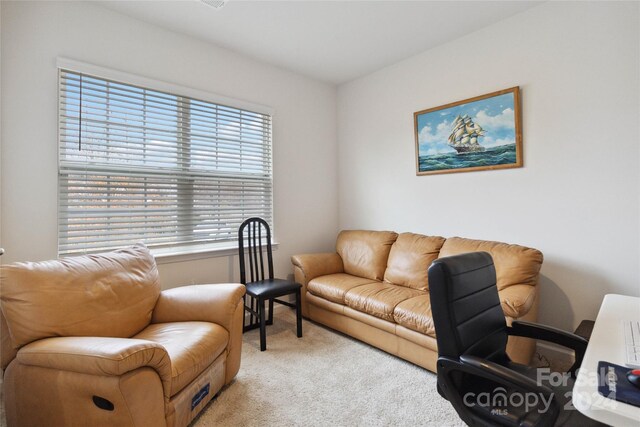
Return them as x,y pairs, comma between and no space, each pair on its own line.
479,133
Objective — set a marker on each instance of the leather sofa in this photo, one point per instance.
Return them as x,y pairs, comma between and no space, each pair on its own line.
375,288
91,340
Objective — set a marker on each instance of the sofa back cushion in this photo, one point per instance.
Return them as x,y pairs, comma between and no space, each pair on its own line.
515,264
365,253
111,294
410,258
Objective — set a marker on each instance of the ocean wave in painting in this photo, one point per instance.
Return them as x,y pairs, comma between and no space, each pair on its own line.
501,155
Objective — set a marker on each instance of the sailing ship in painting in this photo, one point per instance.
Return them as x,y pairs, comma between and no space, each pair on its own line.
464,135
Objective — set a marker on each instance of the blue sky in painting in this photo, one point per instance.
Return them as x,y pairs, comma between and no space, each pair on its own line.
495,115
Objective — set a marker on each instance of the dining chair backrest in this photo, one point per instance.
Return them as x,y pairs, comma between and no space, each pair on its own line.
254,235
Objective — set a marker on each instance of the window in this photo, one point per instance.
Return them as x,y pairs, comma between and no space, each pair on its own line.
138,164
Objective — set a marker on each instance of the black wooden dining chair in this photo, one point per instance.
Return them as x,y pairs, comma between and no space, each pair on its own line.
254,234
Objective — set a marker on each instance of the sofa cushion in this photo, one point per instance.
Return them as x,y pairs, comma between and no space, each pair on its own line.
333,287
192,347
415,314
365,253
103,295
515,264
379,299
410,258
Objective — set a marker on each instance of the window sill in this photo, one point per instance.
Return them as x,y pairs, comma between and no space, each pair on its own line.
192,253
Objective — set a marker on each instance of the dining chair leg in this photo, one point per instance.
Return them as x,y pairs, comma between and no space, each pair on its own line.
270,319
263,327
298,313
256,318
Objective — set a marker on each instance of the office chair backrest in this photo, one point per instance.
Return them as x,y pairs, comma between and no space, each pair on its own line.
252,235
466,308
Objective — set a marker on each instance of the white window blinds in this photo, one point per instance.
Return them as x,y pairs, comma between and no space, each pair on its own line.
137,164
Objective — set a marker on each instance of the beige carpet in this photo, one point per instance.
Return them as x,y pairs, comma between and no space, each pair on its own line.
324,379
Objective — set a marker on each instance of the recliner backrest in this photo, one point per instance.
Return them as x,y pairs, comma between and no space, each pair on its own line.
465,306
7,351
104,295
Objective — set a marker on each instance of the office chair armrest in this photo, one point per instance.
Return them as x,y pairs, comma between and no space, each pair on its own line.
554,335
493,372
504,375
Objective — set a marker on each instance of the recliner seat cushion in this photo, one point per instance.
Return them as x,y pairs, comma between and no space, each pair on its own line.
514,264
410,258
192,347
103,295
415,314
333,287
379,299
365,253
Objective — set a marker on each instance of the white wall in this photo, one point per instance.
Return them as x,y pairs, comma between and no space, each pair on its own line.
577,197
1,249
35,33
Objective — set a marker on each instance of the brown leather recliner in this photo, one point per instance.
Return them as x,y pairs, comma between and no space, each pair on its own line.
91,340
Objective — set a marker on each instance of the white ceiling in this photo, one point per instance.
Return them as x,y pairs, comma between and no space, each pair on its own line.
333,41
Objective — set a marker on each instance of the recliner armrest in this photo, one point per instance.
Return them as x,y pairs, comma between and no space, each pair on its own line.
316,265
554,335
98,356
204,303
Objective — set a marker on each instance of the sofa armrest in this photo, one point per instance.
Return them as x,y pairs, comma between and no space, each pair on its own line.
315,265
98,356
204,303
517,300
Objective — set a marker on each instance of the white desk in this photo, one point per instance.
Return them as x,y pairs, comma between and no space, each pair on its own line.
606,344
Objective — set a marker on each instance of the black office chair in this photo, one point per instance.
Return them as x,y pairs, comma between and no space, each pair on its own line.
261,288
474,372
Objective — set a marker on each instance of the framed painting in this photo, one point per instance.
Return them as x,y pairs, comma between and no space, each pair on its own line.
479,133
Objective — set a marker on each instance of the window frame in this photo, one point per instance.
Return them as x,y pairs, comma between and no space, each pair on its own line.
173,253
